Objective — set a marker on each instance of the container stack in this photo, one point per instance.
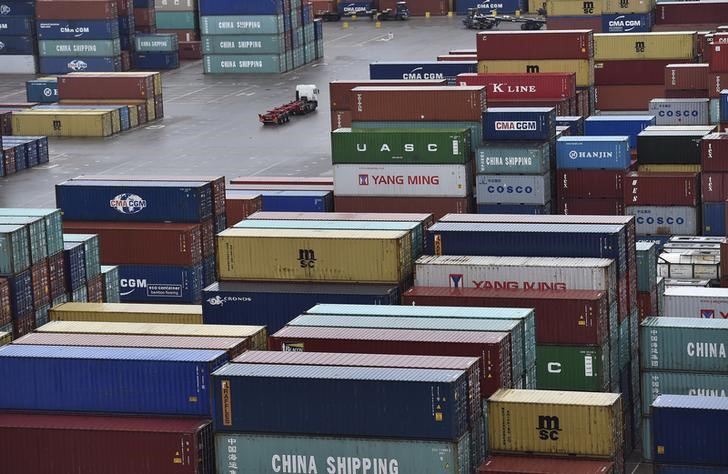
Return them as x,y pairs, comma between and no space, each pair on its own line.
318,33
647,288
516,186
180,17
110,279
18,52
419,70
145,18
97,49
604,16
295,197
125,10
685,81
21,152
156,51
542,52
93,289
714,162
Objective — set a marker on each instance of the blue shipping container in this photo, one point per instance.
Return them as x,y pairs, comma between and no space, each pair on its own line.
209,272
724,105
21,293
104,379
627,23
143,3
16,8
16,26
575,124
514,209
658,240
685,429
78,29
294,201
44,91
240,7
519,123
355,8
160,284
156,60
74,261
17,45
614,125
358,401
50,65
139,201
126,25
714,218
501,6
275,304
419,70
593,153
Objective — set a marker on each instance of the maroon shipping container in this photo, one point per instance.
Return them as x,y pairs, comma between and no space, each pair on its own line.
662,189
425,104
143,243
420,7
144,17
95,289
241,205
593,23
41,284
642,72
46,443
719,56
565,44
647,303
322,6
714,12
430,205
426,219
183,35
717,81
56,275
190,50
6,123
502,464
6,312
284,180
714,187
124,7
569,317
521,86
458,57
562,106
686,94
281,187
590,183
686,76
491,348
714,152
340,91
125,58
106,87
633,97
340,119
76,9
591,207
22,324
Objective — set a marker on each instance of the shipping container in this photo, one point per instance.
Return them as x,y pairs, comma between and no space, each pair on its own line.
242,24
340,91
60,10
588,207
678,145
714,152
616,125
572,44
513,158
513,189
85,443
665,220
160,284
105,87
646,266
288,200
36,233
600,184
72,64
421,70
710,11
403,180
426,220
16,26
21,64
579,368
714,218
244,63
79,48
626,97
543,465
525,123
600,152
658,45
583,68
63,123
522,86
124,312
684,344
77,29
629,22
433,205
262,7
692,264
680,111
442,103
659,382
476,128
705,303
662,189
686,76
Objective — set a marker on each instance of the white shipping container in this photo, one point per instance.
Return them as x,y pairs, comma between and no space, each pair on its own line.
513,189
696,302
685,282
527,273
12,64
664,220
680,111
691,264
403,180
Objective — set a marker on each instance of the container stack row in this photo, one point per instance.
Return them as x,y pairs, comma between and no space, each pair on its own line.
18,153
601,16
156,51
18,53
180,17
145,18
248,194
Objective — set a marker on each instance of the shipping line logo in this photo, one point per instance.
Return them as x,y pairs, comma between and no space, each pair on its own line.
548,428
419,74
499,87
457,280
77,65
574,154
292,347
221,300
399,179
127,203
639,46
711,314
707,350
519,125
306,258
623,25
588,8
2,45
4,9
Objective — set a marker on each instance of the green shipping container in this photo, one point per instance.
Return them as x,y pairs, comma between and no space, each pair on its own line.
687,344
646,266
14,249
298,59
53,223
244,44
476,128
513,158
242,25
578,368
658,382
238,64
91,250
155,43
36,232
401,146
176,20
79,48
110,275
309,53
263,454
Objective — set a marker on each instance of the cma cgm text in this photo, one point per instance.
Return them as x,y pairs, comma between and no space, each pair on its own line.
526,125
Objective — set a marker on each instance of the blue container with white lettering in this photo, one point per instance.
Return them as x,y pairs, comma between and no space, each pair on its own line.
501,6
23,45
714,218
514,209
658,240
77,29
51,65
74,262
346,8
44,91
17,8
611,153
421,70
134,201
16,26
614,125
156,60
293,201
108,379
575,124
627,22
160,284
240,7
724,105
519,123
275,304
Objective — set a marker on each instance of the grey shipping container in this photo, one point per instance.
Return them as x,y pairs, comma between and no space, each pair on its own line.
665,220
513,189
513,158
680,111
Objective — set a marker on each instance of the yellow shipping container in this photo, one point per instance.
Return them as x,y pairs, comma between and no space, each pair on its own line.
584,68
135,106
115,115
127,313
655,45
627,6
53,123
555,422
574,7
314,255
5,338
670,168
257,334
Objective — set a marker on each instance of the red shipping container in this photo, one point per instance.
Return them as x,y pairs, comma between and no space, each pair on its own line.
6,312
340,91
6,123
22,324
436,206
56,275
714,152
190,50
717,81
95,289
714,187
41,284
662,189
714,12
340,119
719,57
86,443
568,317
590,183
491,348
541,44
544,465
144,17
9,161
686,76
521,86
283,180
138,243
593,23
322,6
76,9
183,35
591,207
420,7
457,57
634,97
109,86
424,104
686,94
241,205
641,72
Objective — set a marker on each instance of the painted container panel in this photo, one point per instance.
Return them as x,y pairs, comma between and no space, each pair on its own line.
674,147
235,64
79,48
706,303
685,77
684,344
16,26
240,7
513,189
696,384
426,220
662,45
53,10
583,68
522,86
611,125
662,189
437,206
501,6
592,152
241,25
525,123
714,152
289,201
160,284
131,313
514,209
627,22
403,180
665,220
535,44
476,129
19,45
714,218
579,368
247,44
595,184
545,465
680,111
419,70
77,29
425,104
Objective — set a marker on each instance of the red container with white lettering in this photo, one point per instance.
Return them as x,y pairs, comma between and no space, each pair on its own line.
591,207
714,152
590,183
719,56
714,187
717,81
691,13
340,91
686,76
641,72
522,86
543,44
662,189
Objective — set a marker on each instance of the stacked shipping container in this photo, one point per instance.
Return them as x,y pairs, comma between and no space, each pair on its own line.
18,53
604,16
156,51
